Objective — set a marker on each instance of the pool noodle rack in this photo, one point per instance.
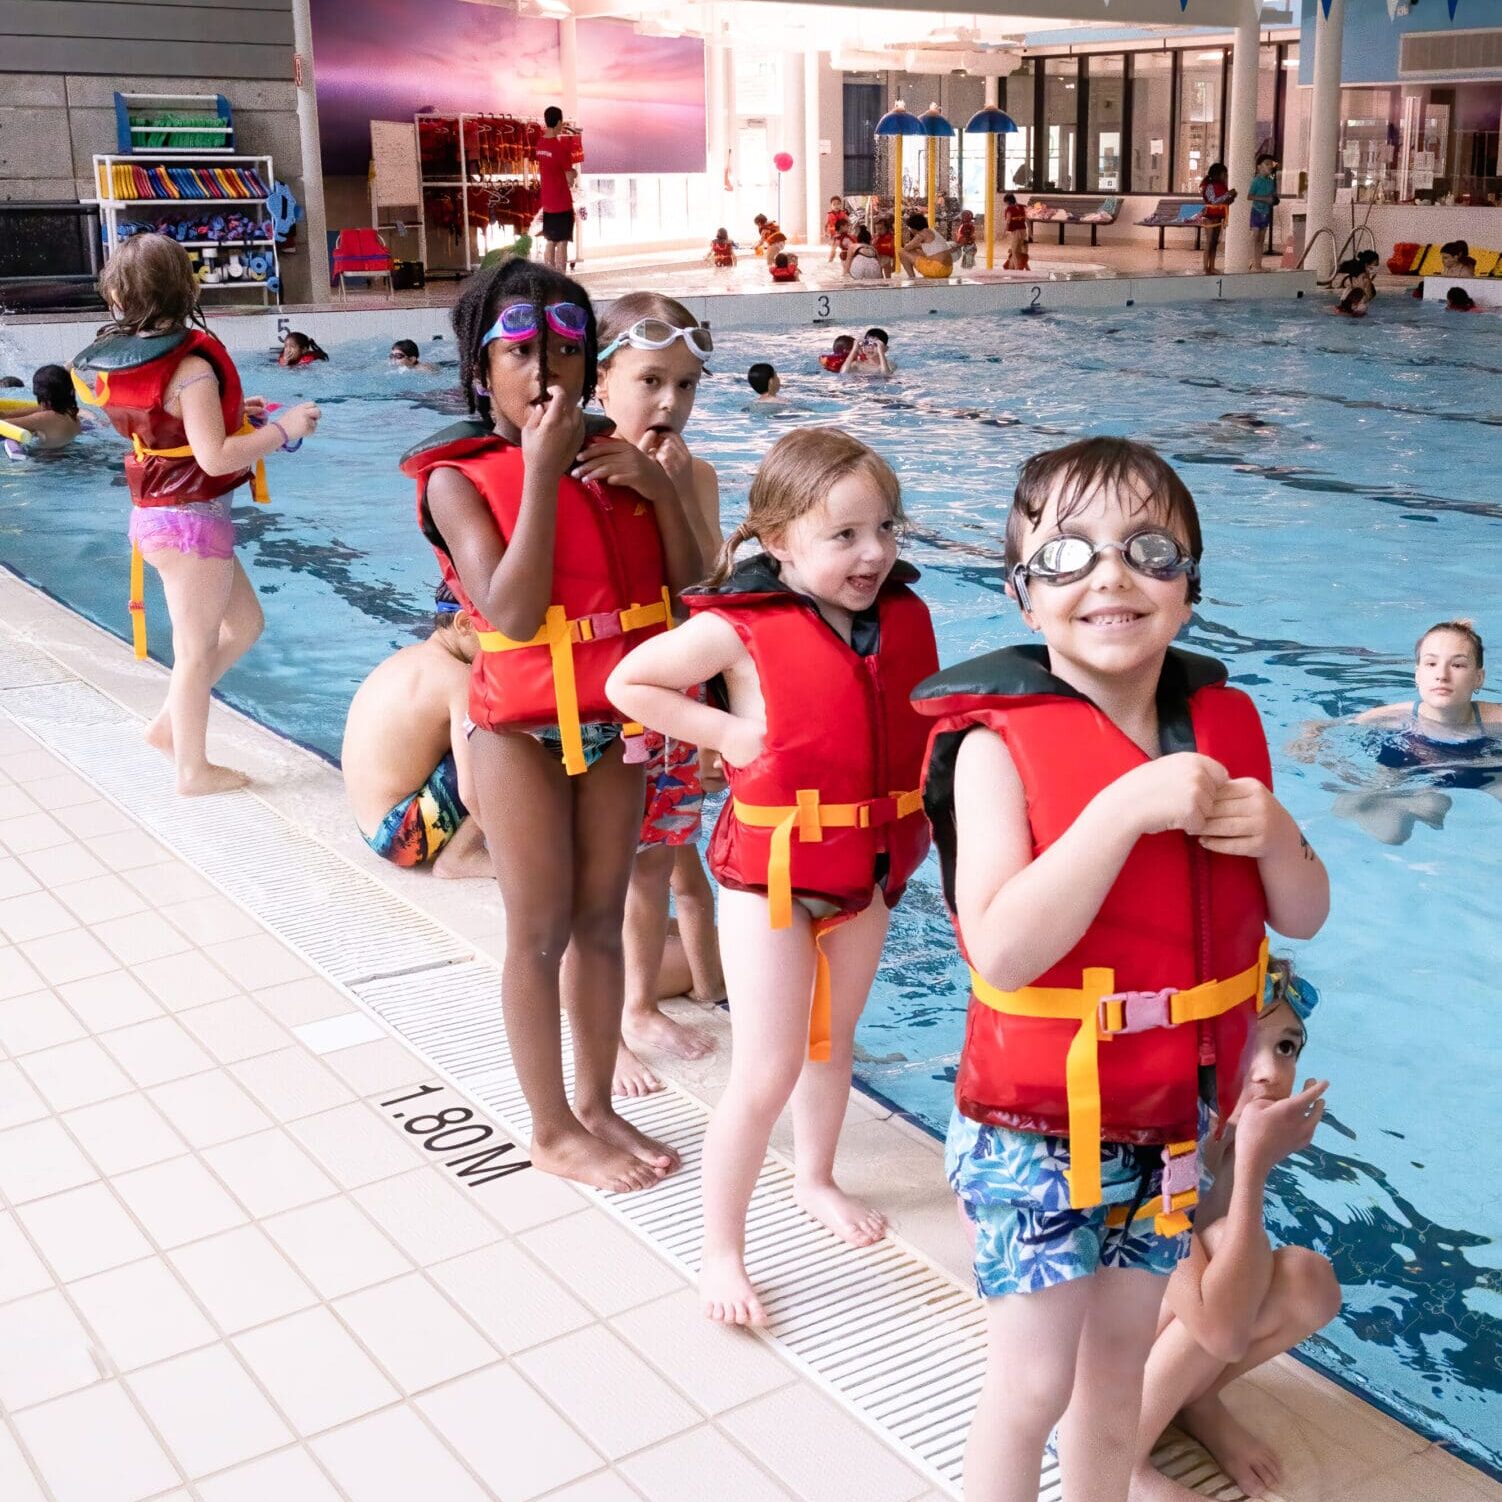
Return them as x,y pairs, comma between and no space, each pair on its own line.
129,127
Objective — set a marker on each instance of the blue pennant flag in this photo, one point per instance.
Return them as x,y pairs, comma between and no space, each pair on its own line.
1453,4
1326,4
1183,4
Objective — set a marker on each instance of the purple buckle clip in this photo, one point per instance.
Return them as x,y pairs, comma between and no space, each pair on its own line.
1181,1173
606,623
1140,1010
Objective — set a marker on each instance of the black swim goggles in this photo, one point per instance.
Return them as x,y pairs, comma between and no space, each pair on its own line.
1064,559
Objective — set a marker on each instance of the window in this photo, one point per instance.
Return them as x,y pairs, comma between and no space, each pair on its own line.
1267,101
1017,145
1061,114
1152,119
1294,137
1417,141
863,108
1199,117
1106,87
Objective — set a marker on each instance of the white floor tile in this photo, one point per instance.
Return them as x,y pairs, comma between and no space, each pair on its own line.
510,1297
699,1464
75,1074
32,832
83,1231
516,1443
291,1083
234,1029
127,849
44,1351
170,883
345,1031
428,1218
393,1457
14,802
18,1481
211,919
21,1270
141,1313
40,1158
242,1279
415,1333
379,1067
62,790
18,975
18,1098
259,960
185,980
123,1134
97,817
141,937
95,897
583,1375
268,1173
315,1371
603,1486
121,1462
209,1108
34,915
15,877
287,1476
335,1247
354,1145
310,999
178,1201
521,1201
601,1261
59,865
29,1023
153,1052
208,1410
30,764
68,956
114,999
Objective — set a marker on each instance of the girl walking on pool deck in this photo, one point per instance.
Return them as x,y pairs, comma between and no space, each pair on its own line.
564,552
170,386
820,642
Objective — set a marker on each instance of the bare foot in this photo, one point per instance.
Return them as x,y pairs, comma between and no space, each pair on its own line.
1150,1485
617,1132
1252,1465
632,1077
834,1209
158,733
210,779
587,1159
647,1027
726,1295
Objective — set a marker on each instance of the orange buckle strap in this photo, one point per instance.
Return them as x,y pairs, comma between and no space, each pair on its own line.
137,601
1180,1193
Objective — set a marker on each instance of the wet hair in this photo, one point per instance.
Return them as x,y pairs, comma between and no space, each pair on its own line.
1281,973
151,279
53,388
552,116
634,306
1460,627
12,381
881,334
305,344
795,477
917,221
760,377
1459,299
780,259
479,306
446,607
1457,249
406,348
1118,466
1369,258
843,344
1349,269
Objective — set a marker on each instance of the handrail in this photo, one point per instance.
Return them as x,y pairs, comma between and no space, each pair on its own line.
1324,229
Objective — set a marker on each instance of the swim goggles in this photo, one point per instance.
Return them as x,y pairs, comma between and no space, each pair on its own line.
658,333
1300,994
518,321
1063,560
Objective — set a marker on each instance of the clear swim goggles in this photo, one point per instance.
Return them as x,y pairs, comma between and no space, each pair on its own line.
518,321
1065,559
658,333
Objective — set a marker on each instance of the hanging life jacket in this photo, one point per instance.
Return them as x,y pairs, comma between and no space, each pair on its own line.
126,376
831,808
609,592
1118,1039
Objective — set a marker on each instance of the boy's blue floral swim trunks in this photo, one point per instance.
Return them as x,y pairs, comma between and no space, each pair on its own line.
1027,1238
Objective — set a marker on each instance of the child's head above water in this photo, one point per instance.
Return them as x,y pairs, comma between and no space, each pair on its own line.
1449,664
763,379
722,234
148,284
1278,1035
1458,300
843,344
52,387
298,347
405,352
652,358
11,382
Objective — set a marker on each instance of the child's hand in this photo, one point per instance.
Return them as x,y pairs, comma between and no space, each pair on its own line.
1267,1131
255,409
671,452
740,742
1172,792
552,434
1246,820
300,421
613,461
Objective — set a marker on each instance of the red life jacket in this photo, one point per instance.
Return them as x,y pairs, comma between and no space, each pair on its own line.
609,590
127,377
833,363
1177,916
723,252
784,273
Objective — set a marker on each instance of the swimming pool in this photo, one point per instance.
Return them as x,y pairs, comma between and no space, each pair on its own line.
1350,481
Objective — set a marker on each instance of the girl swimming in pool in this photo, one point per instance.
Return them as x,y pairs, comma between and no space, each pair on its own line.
53,421
820,642
563,551
166,383
300,349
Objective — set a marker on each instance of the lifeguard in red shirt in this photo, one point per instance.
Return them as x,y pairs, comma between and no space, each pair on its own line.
557,174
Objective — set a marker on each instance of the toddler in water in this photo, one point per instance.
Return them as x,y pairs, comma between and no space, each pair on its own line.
1110,850
166,382
764,381
820,642
721,249
300,349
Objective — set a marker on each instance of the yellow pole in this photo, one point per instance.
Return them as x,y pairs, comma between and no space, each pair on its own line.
897,230
990,202
928,151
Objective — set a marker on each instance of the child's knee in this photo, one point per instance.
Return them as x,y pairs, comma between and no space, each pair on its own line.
596,928
1308,1287
543,936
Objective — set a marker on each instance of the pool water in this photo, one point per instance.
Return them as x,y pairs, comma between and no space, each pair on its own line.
1349,476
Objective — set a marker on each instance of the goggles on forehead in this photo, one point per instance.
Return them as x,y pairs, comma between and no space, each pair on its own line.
518,321
1153,553
1300,994
658,333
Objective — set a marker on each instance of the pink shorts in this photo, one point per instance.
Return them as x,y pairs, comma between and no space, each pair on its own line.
204,529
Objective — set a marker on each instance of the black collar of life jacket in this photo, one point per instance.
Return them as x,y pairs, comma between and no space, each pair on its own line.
126,351
759,578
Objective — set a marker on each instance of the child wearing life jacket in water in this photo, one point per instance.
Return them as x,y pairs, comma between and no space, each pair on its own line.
1111,851
563,553
721,249
652,356
820,641
53,422
168,385
300,349
1235,1302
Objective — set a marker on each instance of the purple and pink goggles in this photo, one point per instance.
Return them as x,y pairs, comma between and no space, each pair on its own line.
518,321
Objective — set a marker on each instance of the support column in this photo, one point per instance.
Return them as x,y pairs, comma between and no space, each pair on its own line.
792,197
1324,137
1242,145
315,219
568,68
815,123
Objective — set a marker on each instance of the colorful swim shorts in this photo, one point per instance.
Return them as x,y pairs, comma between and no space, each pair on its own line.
203,529
596,740
420,826
675,796
1027,1238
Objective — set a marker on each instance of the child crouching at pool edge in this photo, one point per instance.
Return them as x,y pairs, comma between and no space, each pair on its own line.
1093,798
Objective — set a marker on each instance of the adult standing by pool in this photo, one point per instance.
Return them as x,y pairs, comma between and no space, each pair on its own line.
555,168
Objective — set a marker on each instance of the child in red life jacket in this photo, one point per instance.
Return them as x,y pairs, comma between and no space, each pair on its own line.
820,641
652,357
1015,223
300,349
722,249
563,553
171,387
1111,852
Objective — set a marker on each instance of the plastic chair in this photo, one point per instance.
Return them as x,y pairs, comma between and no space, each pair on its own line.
359,253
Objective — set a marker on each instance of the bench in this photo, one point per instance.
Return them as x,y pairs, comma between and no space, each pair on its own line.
1176,213
1065,211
